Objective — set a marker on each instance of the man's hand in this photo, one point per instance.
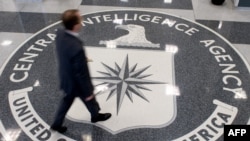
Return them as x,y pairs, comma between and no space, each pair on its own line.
90,97
89,60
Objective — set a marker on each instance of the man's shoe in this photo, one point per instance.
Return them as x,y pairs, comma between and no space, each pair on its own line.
59,129
101,117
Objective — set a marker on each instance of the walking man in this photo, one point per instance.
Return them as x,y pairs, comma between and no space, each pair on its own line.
74,74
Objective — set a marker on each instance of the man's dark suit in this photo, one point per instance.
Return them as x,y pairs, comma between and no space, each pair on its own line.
74,75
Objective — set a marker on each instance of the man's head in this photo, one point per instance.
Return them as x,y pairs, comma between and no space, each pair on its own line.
71,20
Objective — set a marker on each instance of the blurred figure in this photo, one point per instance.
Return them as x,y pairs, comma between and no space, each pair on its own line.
74,74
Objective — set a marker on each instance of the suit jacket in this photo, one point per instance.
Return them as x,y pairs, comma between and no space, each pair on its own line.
72,64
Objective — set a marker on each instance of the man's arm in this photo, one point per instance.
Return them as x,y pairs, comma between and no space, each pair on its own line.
82,75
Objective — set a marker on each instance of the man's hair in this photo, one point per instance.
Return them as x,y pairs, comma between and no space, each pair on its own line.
69,18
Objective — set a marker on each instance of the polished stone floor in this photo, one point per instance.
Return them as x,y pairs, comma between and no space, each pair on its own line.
166,70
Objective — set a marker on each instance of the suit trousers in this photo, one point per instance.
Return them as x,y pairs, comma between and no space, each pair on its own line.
66,102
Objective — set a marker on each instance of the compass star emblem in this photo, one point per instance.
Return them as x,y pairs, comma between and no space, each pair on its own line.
123,81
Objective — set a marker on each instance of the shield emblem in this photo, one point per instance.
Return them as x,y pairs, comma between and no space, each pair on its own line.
139,92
